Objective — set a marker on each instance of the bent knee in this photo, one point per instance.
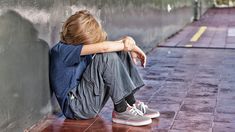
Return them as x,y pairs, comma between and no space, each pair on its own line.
112,56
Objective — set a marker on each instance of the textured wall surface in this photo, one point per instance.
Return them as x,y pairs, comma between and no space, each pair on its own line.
29,27
24,87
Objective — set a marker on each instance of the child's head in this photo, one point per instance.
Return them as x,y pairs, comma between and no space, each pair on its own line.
83,28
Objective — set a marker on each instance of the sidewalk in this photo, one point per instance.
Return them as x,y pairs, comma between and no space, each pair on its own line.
219,32
193,88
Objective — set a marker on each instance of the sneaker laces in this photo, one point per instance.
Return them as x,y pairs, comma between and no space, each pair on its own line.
142,107
136,111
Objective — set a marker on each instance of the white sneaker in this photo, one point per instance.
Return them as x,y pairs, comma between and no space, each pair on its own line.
132,116
145,110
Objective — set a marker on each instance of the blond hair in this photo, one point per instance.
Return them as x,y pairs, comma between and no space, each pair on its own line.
82,28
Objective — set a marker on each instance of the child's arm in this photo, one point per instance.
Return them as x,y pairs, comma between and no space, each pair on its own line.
102,47
125,44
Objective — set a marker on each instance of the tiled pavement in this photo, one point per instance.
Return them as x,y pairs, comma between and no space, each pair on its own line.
194,89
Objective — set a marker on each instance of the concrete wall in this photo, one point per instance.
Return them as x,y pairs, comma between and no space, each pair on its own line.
29,27
24,86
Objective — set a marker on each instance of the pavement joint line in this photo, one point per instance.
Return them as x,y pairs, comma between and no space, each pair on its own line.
90,125
190,83
199,33
157,91
212,38
216,104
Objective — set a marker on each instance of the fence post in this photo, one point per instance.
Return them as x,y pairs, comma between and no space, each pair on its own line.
197,9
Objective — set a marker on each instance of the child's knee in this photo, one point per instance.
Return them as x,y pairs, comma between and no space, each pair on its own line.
112,56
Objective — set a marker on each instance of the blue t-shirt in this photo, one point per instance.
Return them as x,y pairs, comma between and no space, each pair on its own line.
66,69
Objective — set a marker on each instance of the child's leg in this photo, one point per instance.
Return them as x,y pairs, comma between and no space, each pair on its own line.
131,69
130,99
106,76
133,72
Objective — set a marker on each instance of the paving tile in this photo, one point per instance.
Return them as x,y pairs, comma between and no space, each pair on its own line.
218,45
62,124
194,116
223,127
188,125
165,100
226,118
209,82
226,102
201,95
64,128
173,130
171,94
173,90
102,124
226,105
226,93
230,40
198,105
218,41
229,109
143,129
206,40
174,84
162,123
177,86
230,45
195,88
165,107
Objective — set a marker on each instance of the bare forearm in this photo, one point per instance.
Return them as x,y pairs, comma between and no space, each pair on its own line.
102,47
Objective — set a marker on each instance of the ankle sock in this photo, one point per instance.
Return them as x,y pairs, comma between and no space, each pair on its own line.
121,107
130,99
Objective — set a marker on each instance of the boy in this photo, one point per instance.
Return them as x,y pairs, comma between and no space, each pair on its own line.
86,69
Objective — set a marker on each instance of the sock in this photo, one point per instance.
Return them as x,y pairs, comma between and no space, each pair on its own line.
120,107
130,99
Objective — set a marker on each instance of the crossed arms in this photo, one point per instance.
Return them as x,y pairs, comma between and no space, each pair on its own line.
125,44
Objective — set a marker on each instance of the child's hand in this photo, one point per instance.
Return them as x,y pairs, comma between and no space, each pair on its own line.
139,54
129,43
134,57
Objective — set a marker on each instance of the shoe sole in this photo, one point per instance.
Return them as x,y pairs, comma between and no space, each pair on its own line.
152,115
147,122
